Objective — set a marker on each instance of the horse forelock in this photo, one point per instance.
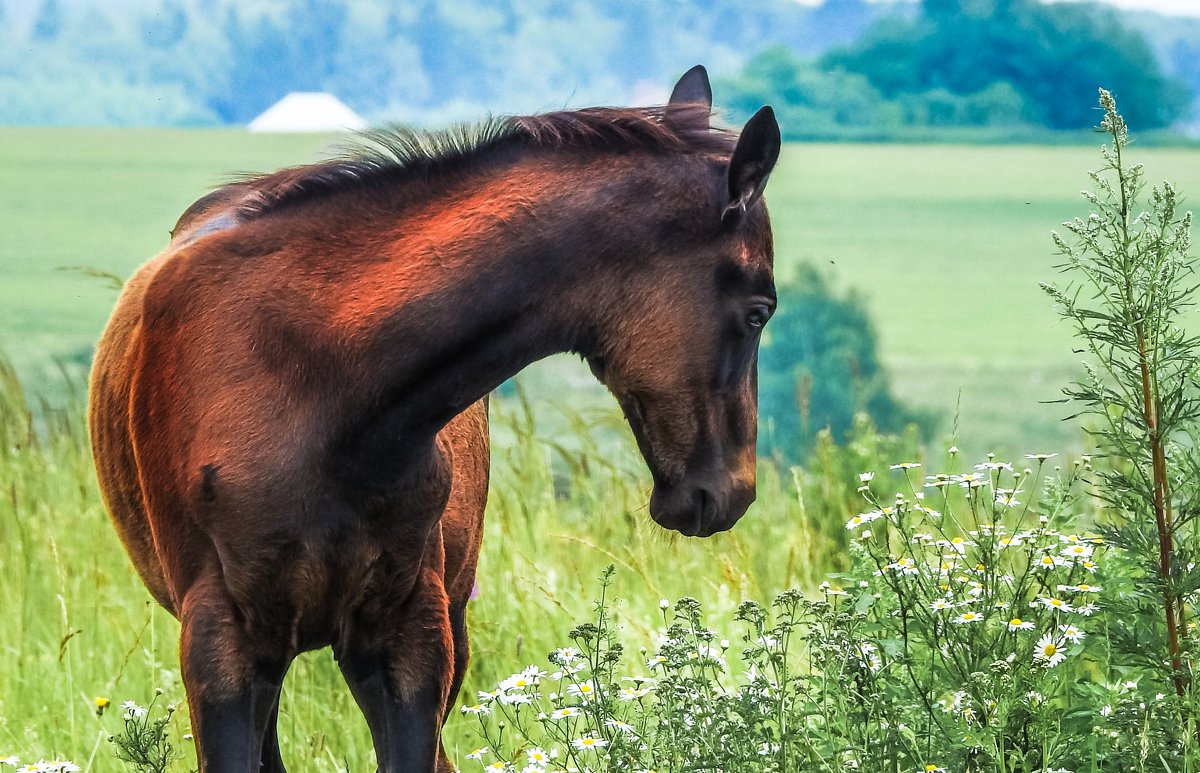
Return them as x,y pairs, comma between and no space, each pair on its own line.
397,155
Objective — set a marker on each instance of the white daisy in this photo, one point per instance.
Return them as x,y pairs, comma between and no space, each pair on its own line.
1071,633
624,727
1049,652
1056,604
131,709
538,756
1078,551
589,742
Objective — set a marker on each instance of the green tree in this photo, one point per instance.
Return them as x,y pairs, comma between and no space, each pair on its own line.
819,367
807,99
1052,55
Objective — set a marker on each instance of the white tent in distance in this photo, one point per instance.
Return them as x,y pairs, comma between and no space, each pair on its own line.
308,111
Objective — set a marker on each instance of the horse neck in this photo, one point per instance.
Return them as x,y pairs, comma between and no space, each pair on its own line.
482,281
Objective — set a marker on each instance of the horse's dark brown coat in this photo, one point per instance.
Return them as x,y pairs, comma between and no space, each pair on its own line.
286,406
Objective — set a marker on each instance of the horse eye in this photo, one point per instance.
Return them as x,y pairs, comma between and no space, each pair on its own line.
758,316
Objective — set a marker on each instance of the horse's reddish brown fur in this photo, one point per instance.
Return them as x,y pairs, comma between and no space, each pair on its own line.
286,412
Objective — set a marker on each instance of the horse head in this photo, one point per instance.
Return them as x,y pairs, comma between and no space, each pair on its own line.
682,359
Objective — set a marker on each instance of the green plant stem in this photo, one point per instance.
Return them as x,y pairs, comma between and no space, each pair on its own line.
1162,515
1161,485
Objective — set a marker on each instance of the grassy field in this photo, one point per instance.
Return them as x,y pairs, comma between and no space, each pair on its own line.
945,243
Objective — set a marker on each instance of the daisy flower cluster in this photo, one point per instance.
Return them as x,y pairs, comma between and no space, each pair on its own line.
558,704
968,634
573,715
41,766
988,581
982,557
677,705
144,738
141,741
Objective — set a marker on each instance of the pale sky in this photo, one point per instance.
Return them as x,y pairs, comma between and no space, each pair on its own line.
1173,7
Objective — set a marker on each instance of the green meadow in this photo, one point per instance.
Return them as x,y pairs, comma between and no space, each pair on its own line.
945,244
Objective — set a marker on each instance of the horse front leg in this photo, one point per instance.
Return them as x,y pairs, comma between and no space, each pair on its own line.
399,665
272,758
462,658
231,688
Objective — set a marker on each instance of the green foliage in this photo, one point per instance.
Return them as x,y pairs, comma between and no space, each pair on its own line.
808,100
428,61
1131,284
1000,65
819,369
143,742
998,68
967,636
820,100
1048,55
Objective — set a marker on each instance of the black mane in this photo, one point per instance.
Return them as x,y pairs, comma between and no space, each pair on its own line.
393,155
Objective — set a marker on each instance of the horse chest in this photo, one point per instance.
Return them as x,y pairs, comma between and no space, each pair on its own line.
335,569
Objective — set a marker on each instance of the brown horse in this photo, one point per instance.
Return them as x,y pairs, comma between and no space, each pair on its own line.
286,407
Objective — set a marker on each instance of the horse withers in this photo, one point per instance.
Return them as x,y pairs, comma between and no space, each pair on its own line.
287,407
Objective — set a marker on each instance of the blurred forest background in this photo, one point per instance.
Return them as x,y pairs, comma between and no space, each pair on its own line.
847,69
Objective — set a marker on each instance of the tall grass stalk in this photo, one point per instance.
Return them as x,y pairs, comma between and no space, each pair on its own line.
1130,285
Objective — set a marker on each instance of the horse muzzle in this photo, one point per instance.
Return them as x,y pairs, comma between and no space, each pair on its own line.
700,510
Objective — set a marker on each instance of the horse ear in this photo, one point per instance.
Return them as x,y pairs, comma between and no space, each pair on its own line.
692,89
753,159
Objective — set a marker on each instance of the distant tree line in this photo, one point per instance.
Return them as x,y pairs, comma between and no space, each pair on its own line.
969,63
846,66
198,62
